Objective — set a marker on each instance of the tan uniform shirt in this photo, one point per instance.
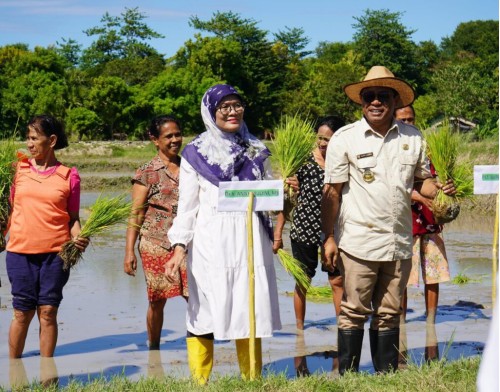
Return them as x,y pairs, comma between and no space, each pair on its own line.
374,220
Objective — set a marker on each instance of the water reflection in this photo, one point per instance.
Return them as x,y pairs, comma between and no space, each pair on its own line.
17,374
431,343
300,360
306,363
155,368
48,375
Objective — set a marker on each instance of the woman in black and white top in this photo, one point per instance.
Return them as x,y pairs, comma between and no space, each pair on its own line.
306,221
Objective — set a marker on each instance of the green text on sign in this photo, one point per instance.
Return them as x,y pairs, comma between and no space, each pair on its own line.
490,177
256,192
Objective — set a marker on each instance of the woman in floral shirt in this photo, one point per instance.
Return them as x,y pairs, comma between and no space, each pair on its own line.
155,195
429,256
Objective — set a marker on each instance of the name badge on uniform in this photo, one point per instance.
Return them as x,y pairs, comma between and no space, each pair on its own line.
368,176
365,155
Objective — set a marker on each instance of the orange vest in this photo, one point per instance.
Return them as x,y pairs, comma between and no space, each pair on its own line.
40,220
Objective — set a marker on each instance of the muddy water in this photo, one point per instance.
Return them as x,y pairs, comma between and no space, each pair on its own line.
102,319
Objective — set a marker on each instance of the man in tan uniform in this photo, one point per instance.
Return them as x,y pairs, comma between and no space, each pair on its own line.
373,165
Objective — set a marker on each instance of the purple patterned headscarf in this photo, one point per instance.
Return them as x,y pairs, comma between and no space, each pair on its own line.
225,156
215,95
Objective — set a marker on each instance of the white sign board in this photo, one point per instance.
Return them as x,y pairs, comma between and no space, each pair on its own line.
485,179
234,195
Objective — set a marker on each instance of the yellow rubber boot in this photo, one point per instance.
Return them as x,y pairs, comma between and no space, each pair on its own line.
200,358
243,351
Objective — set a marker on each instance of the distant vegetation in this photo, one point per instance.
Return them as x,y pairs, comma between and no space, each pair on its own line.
113,87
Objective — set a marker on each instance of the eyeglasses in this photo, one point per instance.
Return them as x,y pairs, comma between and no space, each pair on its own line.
226,109
381,96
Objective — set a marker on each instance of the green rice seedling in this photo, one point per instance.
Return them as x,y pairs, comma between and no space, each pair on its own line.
461,278
320,292
105,213
443,146
294,140
294,267
8,159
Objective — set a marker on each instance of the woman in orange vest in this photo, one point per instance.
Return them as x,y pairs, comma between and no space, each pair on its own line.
45,201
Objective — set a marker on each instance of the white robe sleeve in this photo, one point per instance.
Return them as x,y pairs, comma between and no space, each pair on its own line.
182,229
268,171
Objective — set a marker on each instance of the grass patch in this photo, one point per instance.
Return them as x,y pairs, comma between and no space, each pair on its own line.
462,279
456,376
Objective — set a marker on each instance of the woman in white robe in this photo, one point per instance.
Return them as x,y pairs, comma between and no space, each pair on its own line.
216,242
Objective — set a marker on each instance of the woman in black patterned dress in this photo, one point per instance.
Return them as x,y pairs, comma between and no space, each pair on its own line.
306,221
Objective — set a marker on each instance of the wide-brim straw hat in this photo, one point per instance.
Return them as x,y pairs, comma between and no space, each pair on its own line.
379,76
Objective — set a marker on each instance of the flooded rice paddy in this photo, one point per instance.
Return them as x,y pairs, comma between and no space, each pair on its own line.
102,319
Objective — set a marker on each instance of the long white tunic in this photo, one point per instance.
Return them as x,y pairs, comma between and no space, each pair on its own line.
217,264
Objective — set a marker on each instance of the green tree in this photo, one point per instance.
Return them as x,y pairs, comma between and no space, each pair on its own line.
34,93
381,39
121,48
325,83
259,71
478,38
427,57
295,40
462,91
31,82
289,47
82,123
426,110
333,52
177,92
135,71
70,50
110,98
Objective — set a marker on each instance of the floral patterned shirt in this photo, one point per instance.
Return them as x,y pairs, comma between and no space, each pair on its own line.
306,218
162,199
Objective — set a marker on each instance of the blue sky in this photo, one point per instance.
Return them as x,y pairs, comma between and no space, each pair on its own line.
43,22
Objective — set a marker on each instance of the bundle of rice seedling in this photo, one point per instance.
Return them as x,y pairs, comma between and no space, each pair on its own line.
443,148
8,159
105,213
294,268
320,292
293,142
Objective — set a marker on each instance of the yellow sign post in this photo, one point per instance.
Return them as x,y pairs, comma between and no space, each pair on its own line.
251,287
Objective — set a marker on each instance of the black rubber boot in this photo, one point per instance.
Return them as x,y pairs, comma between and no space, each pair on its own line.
388,350
374,348
350,342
